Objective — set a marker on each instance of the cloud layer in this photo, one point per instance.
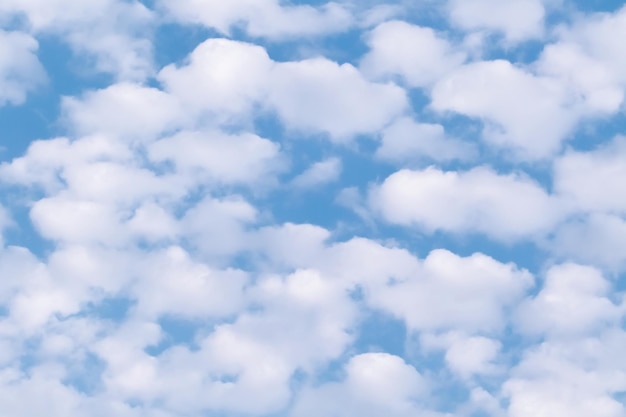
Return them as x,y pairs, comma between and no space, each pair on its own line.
271,208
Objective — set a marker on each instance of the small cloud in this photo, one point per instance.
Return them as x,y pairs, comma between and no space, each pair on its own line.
320,173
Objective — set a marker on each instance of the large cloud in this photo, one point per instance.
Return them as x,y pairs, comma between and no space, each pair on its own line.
523,112
229,79
155,260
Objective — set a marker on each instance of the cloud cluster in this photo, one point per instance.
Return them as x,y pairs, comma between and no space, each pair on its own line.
184,244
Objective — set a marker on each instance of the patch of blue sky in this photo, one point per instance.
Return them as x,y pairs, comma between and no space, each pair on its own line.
178,331
85,373
595,6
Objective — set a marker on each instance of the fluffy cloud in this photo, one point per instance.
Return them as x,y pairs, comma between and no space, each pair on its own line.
417,54
314,95
20,70
407,141
598,84
320,95
125,110
376,384
569,378
454,293
592,239
589,180
224,77
503,207
517,20
261,18
111,32
573,300
466,356
219,158
529,114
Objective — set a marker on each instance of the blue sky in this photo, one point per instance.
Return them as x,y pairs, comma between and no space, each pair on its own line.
295,209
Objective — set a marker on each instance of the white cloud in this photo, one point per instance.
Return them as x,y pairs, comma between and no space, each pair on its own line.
573,378
504,207
261,18
597,84
528,114
219,158
466,356
172,283
590,180
417,54
110,32
407,141
20,69
376,385
299,321
517,20
56,399
229,80
573,300
224,77
453,293
153,223
219,226
320,95
319,173
473,355
122,185
41,163
68,220
125,110
598,35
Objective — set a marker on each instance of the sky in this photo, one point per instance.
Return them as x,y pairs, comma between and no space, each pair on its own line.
274,208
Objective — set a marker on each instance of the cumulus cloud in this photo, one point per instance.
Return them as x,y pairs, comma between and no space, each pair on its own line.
517,20
417,54
590,179
407,141
568,378
262,18
112,33
126,110
592,239
313,95
526,113
573,300
222,76
442,296
20,69
466,356
322,96
376,384
504,207
220,158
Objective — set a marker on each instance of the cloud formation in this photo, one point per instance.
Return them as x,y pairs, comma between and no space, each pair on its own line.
273,208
